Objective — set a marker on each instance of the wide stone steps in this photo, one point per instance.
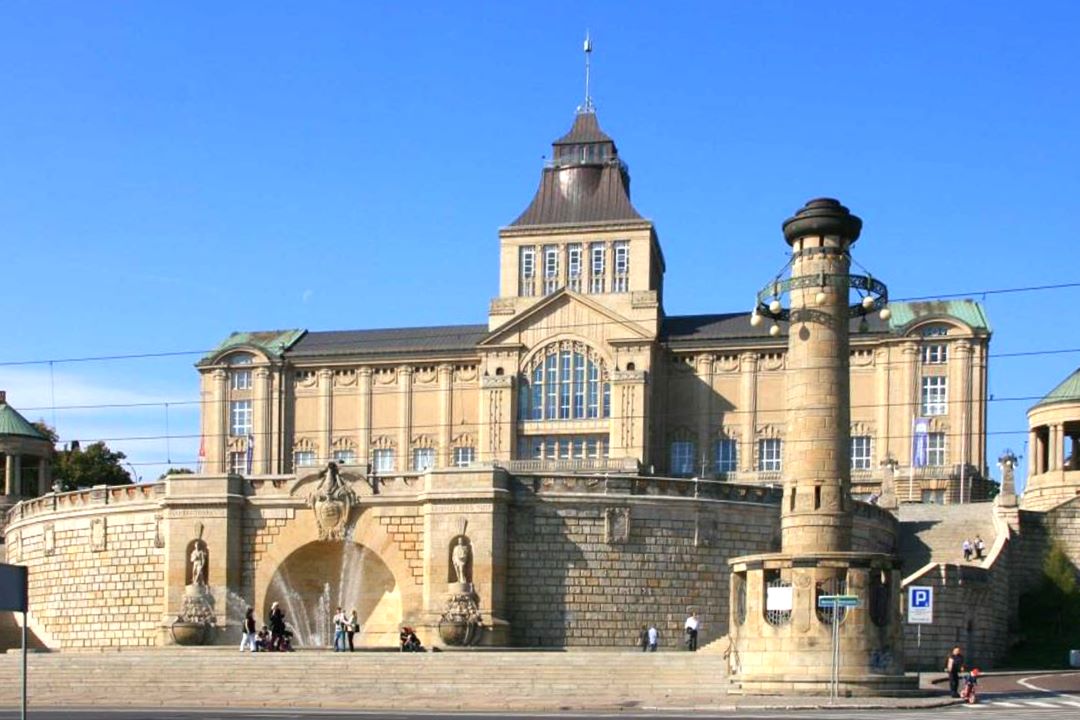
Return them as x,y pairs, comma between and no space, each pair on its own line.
450,680
935,533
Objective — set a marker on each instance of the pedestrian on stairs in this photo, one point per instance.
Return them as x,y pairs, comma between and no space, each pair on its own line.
653,637
966,546
247,639
980,547
692,626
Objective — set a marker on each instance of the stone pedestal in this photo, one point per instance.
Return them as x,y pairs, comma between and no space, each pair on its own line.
790,651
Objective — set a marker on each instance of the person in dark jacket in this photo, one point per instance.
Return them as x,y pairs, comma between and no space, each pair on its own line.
248,637
954,665
277,627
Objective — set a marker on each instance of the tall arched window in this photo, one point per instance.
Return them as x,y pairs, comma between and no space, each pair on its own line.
565,381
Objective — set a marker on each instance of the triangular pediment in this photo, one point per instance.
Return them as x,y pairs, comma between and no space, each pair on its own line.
571,311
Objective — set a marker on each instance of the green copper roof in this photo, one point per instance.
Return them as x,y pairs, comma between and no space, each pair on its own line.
968,312
272,342
1067,391
12,423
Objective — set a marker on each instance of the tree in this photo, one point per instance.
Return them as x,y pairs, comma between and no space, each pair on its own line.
95,464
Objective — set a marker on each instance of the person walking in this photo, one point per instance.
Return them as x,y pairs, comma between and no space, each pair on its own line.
643,638
980,547
277,627
654,637
352,628
340,621
692,626
247,639
954,665
966,547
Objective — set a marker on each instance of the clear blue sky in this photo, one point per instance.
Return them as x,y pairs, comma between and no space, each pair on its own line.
172,172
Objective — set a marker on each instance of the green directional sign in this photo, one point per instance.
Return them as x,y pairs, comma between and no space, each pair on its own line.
844,601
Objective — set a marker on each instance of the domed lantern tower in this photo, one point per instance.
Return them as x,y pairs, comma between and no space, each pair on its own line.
784,640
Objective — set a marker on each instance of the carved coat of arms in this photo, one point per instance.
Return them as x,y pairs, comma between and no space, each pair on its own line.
332,501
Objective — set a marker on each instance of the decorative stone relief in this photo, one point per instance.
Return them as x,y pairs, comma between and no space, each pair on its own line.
50,539
706,531
465,373
460,556
802,613
198,563
159,532
344,378
332,501
98,533
772,361
616,525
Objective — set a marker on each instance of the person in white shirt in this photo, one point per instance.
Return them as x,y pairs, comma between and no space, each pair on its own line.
654,637
692,627
341,620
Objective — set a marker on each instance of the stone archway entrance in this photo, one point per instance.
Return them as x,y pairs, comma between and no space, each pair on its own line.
318,577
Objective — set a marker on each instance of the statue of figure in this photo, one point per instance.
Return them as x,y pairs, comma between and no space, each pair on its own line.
332,485
460,557
198,564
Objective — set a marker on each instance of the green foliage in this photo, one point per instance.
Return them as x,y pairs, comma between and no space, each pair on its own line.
95,464
1047,616
46,431
175,471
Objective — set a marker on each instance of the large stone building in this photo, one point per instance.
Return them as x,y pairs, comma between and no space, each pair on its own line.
579,367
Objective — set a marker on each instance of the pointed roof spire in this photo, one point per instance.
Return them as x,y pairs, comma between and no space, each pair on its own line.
588,107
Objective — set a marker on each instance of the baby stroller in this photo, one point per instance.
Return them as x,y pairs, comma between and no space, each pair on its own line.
409,641
968,692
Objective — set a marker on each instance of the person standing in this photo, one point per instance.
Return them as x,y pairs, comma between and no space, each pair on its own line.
277,627
340,620
966,547
954,665
643,638
980,547
692,627
353,628
247,639
653,636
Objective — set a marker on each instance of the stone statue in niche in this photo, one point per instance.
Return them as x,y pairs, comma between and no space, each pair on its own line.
460,558
198,565
97,534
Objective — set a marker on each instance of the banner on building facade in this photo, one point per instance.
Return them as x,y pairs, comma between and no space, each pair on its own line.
920,443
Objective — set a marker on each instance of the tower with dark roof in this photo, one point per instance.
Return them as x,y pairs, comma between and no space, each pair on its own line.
24,457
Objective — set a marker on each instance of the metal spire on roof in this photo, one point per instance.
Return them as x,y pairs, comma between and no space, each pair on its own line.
588,106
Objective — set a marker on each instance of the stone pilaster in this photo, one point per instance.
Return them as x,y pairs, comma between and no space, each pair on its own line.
405,377
10,475
703,369
326,415
263,428
217,431
363,424
628,412
748,365
446,398
496,426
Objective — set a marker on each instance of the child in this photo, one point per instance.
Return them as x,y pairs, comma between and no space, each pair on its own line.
262,639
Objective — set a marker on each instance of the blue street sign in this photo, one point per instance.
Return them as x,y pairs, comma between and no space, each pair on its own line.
920,604
832,601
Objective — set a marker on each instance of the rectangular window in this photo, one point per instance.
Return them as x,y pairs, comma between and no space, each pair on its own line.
935,354
621,280
241,379
861,451
423,459
304,458
726,458
527,279
682,457
935,395
238,463
596,268
565,379
240,418
573,267
345,457
382,460
935,449
770,458
551,269
464,456
552,385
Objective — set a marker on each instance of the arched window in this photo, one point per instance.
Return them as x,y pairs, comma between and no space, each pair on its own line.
565,381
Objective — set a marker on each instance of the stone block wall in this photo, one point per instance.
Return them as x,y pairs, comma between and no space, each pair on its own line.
96,580
261,526
406,529
591,571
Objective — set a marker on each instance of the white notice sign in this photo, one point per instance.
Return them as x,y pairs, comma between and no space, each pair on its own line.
778,598
920,605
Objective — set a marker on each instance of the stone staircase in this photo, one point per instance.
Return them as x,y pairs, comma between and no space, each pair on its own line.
935,533
451,680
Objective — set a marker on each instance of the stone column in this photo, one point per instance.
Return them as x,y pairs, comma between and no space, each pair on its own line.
218,430
960,405
263,426
9,475
748,364
628,415
883,373
446,418
1075,465
363,444
1033,453
405,374
42,476
816,513
1057,445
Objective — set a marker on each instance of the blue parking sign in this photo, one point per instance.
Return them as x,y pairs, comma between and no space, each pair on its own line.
920,605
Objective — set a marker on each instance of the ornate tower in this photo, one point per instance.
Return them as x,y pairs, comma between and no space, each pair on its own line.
783,640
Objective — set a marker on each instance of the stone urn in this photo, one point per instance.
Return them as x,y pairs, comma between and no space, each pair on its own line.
461,623
190,632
